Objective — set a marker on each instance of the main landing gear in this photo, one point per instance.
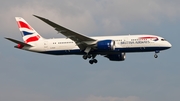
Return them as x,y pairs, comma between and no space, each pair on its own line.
155,55
93,61
88,56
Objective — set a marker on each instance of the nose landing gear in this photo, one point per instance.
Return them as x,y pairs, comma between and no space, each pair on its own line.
155,55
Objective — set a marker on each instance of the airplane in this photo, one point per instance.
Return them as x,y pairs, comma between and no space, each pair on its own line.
112,47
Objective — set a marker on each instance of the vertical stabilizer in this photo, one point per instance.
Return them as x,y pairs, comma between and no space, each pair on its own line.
28,33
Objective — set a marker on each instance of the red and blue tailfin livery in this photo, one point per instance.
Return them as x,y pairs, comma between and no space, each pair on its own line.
28,33
22,24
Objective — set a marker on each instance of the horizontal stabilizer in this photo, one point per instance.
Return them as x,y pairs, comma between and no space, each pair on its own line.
18,42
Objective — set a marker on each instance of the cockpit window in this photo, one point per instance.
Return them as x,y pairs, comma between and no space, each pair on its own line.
163,39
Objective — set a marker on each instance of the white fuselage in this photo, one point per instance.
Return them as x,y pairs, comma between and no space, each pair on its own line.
128,43
112,47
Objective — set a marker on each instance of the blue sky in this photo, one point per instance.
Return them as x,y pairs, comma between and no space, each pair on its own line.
27,76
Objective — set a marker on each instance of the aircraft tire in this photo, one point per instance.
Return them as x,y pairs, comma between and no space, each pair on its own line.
91,61
95,61
155,56
85,57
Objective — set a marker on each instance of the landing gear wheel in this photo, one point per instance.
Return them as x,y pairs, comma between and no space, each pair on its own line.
156,56
95,61
89,56
85,57
91,61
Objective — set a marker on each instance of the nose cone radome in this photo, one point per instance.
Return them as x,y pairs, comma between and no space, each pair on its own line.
169,45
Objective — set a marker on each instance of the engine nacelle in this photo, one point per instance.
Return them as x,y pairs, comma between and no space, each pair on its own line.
106,45
116,57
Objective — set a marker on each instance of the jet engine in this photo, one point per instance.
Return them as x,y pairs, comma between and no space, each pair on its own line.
106,45
116,57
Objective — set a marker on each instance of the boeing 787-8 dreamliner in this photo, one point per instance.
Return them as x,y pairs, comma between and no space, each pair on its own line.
112,47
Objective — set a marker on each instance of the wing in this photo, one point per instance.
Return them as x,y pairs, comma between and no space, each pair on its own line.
82,41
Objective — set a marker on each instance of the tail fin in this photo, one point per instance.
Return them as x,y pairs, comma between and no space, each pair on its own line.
28,33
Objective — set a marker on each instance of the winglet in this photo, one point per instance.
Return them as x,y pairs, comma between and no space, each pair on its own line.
47,21
41,18
38,16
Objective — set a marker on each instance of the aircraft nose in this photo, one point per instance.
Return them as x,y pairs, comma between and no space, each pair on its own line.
169,45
